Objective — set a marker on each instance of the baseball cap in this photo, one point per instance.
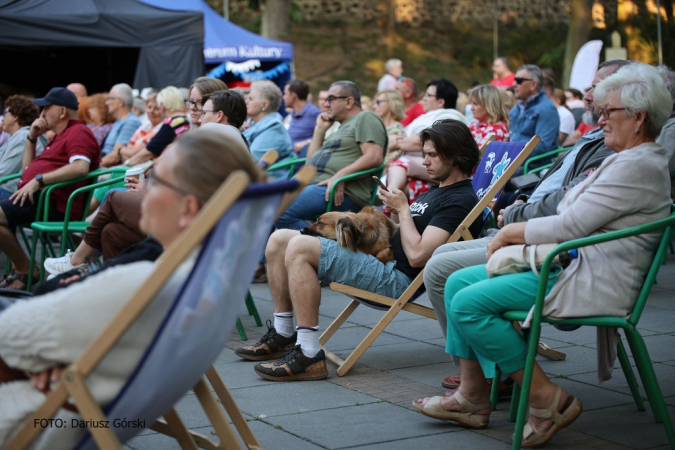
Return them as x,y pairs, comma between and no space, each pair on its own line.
58,96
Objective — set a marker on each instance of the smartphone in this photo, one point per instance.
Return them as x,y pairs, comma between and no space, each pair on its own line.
380,183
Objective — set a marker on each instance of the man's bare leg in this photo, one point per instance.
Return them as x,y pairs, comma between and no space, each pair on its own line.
302,261
277,276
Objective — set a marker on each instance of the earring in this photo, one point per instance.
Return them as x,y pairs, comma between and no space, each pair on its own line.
637,131
263,109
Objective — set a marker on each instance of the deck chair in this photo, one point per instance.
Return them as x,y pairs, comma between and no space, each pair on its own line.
500,160
519,403
232,229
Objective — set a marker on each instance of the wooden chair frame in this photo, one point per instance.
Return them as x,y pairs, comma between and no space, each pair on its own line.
403,302
73,383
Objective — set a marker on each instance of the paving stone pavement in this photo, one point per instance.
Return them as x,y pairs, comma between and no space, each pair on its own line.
371,407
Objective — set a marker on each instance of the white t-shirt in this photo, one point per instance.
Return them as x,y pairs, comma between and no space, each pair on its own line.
566,120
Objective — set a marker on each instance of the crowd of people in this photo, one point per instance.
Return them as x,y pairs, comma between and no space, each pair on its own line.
614,175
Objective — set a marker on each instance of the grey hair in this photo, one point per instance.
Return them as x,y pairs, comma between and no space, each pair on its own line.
270,92
615,62
535,73
350,89
125,92
640,89
668,77
391,63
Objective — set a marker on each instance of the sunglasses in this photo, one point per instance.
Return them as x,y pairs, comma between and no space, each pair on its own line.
520,80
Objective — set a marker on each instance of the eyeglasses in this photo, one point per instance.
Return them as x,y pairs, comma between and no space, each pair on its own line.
606,112
6,111
330,98
192,104
379,102
108,99
406,81
519,80
153,180
203,112
427,95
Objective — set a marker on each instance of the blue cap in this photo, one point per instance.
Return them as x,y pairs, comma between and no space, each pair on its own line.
58,96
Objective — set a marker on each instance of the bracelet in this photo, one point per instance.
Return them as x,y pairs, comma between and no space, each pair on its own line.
34,141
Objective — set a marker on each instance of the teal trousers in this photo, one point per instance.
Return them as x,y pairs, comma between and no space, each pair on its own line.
474,304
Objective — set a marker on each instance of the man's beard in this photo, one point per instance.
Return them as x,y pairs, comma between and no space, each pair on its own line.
589,117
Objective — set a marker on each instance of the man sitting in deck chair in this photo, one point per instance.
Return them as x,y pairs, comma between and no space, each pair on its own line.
297,263
47,332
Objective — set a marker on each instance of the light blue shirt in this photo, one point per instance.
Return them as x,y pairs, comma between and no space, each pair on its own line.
269,133
554,181
121,132
538,116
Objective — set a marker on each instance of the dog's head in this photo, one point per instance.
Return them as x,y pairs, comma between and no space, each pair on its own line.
324,226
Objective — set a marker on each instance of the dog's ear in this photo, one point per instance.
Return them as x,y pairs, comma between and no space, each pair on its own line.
347,232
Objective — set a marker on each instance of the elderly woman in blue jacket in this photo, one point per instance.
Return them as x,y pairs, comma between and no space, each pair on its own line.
268,131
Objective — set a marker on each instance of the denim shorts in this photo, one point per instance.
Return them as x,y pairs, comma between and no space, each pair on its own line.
359,270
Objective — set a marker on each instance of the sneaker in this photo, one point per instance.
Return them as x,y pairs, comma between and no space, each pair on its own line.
56,266
294,366
271,346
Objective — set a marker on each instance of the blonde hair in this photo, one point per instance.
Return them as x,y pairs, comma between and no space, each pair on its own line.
490,98
206,158
395,103
270,92
171,98
206,85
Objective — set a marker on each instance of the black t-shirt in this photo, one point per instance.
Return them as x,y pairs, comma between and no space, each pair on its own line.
444,208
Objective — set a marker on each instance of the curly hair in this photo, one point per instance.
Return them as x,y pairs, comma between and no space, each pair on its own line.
23,109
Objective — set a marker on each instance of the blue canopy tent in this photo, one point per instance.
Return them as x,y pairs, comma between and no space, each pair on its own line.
233,53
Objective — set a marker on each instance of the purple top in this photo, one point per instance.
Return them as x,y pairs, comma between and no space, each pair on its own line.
102,132
302,125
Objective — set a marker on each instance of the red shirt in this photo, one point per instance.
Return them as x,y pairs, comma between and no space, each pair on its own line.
480,130
76,141
583,128
505,82
412,114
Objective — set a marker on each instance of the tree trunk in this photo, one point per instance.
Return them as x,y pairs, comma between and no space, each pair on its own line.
275,19
581,24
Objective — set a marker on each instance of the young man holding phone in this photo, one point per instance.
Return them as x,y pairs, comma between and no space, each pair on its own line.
297,263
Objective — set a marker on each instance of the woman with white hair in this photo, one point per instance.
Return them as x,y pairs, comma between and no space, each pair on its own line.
629,189
268,131
172,107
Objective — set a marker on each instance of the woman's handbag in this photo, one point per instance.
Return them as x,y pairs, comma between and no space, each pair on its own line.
521,258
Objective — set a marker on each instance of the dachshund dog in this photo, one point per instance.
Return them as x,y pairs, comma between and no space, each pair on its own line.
368,231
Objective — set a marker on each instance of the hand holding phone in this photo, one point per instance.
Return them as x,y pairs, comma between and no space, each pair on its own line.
380,183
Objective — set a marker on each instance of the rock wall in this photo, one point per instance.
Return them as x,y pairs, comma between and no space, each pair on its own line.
437,12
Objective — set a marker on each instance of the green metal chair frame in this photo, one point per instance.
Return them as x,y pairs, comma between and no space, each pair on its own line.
556,152
41,224
629,326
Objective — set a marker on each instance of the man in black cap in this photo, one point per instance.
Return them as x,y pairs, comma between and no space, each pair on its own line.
72,153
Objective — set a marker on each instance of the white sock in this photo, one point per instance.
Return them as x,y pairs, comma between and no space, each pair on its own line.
308,339
283,323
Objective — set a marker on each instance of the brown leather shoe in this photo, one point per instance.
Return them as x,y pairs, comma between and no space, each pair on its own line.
271,345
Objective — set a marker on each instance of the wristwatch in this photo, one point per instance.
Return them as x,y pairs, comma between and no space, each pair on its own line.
40,180
34,141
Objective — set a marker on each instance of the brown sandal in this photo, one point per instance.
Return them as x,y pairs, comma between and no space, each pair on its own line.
570,411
